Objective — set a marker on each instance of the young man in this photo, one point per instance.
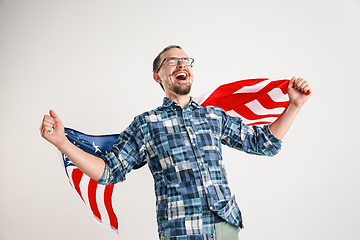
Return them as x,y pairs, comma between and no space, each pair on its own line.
181,141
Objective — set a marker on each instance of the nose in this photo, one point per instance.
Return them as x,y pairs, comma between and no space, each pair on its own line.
180,64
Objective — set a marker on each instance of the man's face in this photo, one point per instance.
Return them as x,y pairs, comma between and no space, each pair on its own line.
175,79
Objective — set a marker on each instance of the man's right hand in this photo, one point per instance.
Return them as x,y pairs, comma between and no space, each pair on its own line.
52,129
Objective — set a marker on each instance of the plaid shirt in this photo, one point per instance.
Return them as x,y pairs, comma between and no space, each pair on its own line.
183,151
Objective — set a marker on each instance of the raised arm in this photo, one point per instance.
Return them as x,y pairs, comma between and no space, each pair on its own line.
299,92
52,130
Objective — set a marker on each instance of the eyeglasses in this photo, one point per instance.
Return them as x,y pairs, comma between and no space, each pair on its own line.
173,61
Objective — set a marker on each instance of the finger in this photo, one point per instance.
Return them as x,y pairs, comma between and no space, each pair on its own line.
54,115
298,82
301,84
48,119
48,122
58,125
47,125
307,89
46,131
291,82
304,86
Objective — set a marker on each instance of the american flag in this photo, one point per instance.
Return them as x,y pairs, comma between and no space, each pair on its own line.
96,196
256,101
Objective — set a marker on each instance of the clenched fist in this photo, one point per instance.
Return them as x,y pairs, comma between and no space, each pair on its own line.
52,129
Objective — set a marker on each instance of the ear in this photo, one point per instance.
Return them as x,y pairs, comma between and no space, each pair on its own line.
157,77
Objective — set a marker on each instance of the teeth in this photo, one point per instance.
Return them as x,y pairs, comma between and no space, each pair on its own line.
182,74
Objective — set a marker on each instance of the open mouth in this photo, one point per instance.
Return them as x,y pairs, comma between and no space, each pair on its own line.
181,76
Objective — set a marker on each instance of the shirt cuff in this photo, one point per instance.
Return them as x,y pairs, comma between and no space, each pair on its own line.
113,172
270,135
105,177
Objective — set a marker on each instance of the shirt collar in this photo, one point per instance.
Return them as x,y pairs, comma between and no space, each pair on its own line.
168,103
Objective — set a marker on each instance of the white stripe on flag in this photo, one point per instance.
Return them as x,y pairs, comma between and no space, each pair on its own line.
277,96
84,183
247,121
101,206
200,99
256,107
254,88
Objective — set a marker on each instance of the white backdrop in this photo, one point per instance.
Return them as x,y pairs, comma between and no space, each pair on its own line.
91,62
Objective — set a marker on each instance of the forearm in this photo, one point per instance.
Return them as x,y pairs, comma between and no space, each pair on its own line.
280,127
89,164
299,92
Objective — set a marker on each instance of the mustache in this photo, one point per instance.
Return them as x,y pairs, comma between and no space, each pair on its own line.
181,70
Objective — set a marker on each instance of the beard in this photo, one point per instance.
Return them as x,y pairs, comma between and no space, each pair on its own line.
181,90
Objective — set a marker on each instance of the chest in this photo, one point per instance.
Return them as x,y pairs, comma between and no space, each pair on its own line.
182,138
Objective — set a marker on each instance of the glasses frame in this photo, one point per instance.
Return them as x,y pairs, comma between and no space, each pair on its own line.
191,62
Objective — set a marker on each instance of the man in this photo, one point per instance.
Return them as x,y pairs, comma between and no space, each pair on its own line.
181,141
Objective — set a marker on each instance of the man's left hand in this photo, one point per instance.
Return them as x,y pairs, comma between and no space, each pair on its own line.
299,91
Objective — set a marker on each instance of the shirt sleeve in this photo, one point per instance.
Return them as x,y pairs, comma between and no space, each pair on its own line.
253,139
127,152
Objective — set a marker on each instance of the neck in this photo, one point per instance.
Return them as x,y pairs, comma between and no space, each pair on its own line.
182,100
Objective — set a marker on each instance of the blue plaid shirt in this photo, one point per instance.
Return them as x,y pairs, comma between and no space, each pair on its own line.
183,150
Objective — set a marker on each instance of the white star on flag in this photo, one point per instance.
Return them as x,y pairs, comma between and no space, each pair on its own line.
97,149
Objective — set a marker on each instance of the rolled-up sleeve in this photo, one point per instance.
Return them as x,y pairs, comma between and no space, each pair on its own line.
251,139
127,152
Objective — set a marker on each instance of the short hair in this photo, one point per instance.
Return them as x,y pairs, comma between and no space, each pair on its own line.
157,59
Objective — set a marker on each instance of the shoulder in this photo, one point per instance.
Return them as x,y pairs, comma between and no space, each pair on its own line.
213,110
153,115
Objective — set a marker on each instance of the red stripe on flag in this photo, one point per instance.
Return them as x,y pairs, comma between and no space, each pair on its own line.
92,198
267,102
241,97
281,84
225,98
227,90
245,112
108,205
76,179
258,123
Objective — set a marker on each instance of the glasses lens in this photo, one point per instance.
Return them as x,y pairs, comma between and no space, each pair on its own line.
174,61
186,61
189,61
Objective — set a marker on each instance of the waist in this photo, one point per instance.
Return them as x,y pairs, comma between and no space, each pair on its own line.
218,219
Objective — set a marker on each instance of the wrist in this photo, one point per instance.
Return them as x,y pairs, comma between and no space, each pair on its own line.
64,145
292,106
